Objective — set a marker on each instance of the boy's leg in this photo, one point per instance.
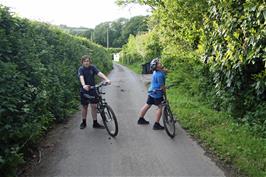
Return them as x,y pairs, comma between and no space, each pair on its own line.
142,113
94,111
94,117
144,110
159,113
84,111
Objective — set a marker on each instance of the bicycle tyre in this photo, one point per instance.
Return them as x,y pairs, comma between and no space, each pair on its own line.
169,121
109,117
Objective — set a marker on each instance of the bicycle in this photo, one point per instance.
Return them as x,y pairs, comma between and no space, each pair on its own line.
167,115
106,112
168,118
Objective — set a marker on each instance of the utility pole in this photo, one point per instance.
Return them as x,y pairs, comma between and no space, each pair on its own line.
107,41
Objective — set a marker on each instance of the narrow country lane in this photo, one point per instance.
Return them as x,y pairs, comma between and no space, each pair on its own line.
136,151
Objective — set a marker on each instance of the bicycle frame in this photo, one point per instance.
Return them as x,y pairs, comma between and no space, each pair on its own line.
102,103
106,111
168,118
165,100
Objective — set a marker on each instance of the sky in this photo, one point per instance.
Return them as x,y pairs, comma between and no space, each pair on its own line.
73,13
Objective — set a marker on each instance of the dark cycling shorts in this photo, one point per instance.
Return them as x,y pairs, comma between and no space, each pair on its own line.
155,101
86,101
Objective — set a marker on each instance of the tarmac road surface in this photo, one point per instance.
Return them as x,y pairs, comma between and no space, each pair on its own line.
136,151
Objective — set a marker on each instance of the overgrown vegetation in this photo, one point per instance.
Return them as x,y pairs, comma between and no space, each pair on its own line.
235,53
118,31
38,83
216,52
231,142
141,48
114,50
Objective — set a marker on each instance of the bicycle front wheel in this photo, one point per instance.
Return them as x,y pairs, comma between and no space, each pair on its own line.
110,121
169,121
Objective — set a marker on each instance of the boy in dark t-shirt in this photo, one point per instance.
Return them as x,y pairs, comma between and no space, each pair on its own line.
86,74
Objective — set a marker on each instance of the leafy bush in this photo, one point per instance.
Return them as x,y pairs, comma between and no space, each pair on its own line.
236,55
141,48
216,51
39,83
230,38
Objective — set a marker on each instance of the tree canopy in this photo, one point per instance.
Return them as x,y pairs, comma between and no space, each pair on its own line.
118,31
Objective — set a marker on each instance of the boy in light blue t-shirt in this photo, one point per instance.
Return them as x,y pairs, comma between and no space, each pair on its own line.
155,94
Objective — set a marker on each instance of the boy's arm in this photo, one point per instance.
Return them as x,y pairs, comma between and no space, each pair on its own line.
82,81
101,75
81,78
165,69
161,81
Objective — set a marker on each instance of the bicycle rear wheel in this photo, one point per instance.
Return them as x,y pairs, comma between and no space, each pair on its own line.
110,121
169,121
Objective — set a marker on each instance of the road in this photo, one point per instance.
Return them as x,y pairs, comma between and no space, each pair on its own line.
136,151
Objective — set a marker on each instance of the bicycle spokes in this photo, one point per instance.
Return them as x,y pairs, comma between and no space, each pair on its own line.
169,121
109,120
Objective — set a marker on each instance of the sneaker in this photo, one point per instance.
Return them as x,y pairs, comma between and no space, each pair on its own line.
142,121
83,125
157,126
97,125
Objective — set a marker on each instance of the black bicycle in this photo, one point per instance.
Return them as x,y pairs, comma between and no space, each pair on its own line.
168,118
106,112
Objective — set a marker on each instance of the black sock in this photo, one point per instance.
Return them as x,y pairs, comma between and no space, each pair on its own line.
84,121
94,121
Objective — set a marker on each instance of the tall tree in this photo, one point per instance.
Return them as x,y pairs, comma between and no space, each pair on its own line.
134,26
118,31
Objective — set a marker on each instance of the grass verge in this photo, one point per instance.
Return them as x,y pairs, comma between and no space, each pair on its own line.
232,143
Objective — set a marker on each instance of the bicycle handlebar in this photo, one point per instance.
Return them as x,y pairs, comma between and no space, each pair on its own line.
171,85
97,89
166,87
99,85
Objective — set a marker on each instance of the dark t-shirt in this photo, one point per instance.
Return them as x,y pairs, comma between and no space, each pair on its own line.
88,73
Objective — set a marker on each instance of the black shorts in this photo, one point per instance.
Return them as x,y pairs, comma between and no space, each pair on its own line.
155,101
85,101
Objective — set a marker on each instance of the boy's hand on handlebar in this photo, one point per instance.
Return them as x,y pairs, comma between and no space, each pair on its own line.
108,82
163,88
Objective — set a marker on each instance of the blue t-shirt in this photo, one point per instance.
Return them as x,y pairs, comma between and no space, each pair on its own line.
88,73
158,80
